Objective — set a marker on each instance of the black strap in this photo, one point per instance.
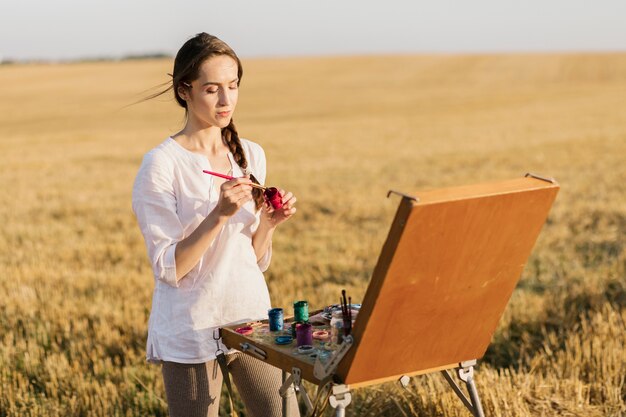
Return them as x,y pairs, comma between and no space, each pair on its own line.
221,360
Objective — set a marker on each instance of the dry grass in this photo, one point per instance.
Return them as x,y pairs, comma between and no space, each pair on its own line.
339,132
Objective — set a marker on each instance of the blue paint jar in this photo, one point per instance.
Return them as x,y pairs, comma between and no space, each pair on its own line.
276,319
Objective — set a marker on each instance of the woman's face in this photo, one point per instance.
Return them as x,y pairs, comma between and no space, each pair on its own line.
213,96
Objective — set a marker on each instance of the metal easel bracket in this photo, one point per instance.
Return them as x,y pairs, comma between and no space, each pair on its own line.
539,177
465,372
340,399
253,350
324,370
410,197
296,379
341,396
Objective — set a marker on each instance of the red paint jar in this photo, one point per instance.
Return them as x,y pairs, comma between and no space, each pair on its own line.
273,196
246,330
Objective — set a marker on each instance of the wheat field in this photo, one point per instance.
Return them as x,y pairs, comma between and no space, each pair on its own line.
75,283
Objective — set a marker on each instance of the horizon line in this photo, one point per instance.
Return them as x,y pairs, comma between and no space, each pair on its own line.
166,55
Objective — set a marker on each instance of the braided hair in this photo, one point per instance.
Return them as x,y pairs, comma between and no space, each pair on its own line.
231,138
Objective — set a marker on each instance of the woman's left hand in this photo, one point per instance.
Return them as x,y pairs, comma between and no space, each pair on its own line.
273,217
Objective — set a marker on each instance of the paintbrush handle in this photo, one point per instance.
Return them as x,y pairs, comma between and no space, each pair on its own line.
260,187
217,174
228,177
349,315
350,309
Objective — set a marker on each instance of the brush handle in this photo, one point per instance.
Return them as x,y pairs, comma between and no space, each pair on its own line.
228,177
217,174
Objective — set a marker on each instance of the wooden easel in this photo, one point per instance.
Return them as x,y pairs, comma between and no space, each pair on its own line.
443,279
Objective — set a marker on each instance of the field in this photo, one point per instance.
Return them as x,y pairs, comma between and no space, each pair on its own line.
75,283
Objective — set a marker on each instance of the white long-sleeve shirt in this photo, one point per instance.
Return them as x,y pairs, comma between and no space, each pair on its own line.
171,197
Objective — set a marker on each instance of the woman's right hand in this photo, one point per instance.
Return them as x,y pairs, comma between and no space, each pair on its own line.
233,194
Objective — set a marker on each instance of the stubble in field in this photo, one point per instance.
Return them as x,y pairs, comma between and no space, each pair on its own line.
75,282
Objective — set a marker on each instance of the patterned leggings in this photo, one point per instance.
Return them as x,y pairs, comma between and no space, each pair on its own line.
193,390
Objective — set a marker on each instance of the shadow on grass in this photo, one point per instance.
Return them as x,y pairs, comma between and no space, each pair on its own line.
516,345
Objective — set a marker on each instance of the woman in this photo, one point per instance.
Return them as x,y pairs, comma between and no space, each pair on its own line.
208,239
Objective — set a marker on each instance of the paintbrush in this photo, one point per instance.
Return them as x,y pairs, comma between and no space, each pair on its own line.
349,315
228,177
345,309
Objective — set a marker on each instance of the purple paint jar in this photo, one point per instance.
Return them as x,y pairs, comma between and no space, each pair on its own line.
304,334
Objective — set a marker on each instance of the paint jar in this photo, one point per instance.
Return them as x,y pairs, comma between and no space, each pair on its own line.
321,335
245,331
336,327
283,340
273,196
354,313
304,334
323,355
301,311
276,319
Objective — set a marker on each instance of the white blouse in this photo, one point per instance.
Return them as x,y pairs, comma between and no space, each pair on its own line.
171,197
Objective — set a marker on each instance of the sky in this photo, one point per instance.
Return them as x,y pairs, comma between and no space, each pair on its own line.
79,29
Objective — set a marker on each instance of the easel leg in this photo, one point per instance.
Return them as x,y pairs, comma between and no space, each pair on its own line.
286,398
340,399
466,374
473,392
292,385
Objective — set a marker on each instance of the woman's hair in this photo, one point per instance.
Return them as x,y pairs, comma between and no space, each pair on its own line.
187,63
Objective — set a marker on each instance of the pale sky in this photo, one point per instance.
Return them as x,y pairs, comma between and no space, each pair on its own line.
72,29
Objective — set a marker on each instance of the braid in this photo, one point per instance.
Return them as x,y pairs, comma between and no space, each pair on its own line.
231,138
